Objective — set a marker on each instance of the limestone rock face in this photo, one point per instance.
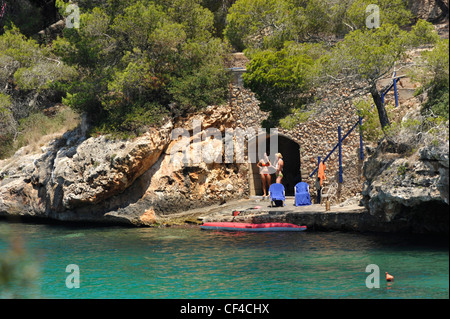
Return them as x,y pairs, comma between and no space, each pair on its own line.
428,9
73,171
412,191
135,181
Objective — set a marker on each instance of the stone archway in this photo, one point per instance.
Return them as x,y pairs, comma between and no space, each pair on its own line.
292,167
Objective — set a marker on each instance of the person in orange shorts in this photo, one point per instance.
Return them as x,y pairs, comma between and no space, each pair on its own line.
320,178
321,174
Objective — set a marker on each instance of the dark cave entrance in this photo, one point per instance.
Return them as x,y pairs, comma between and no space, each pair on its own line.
292,167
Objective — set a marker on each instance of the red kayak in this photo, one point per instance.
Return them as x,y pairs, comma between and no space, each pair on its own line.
231,226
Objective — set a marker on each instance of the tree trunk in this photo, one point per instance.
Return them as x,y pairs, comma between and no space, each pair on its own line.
382,114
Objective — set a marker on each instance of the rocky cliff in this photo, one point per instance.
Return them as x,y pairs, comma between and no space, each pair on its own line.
96,179
430,10
408,190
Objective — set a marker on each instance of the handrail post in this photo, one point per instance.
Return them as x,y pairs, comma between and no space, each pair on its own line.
395,90
361,144
361,149
318,190
340,155
339,145
319,160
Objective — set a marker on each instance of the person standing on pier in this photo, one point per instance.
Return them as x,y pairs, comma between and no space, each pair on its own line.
266,179
279,167
320,178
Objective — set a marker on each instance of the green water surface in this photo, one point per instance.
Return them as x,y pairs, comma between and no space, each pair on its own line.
117,262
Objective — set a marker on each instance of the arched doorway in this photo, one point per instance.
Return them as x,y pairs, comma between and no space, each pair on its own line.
292,168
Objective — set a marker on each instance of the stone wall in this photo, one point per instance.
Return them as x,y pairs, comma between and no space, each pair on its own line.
316,137
319,135
244,105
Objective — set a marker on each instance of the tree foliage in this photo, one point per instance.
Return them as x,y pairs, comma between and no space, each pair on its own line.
268,24
148,59
366,56
23,13
8,125
281,79
219,8
27,76
393,12
28,69
253,22
133,63
435,79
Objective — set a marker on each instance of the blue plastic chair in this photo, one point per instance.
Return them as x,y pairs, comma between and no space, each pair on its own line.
276,193
302,196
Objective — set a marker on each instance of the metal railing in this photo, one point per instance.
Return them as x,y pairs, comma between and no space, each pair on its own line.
385,91
359,123
339,146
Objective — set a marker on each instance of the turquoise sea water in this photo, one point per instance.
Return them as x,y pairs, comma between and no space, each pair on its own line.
117,262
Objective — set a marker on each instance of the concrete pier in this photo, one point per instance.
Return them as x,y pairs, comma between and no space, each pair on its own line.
315,217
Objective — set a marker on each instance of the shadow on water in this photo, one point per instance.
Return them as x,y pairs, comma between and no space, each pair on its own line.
419,241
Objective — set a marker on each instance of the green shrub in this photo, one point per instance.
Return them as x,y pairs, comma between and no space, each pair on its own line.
282,79
402,169
296,117
371,126
144,61
433,74
131,120
438,102
34,127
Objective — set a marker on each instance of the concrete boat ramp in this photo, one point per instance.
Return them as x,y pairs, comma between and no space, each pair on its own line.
315,217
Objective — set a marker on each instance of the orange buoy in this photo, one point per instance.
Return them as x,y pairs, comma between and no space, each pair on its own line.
389,277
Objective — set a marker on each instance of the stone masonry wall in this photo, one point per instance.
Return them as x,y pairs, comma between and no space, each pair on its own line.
319,135
316,137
